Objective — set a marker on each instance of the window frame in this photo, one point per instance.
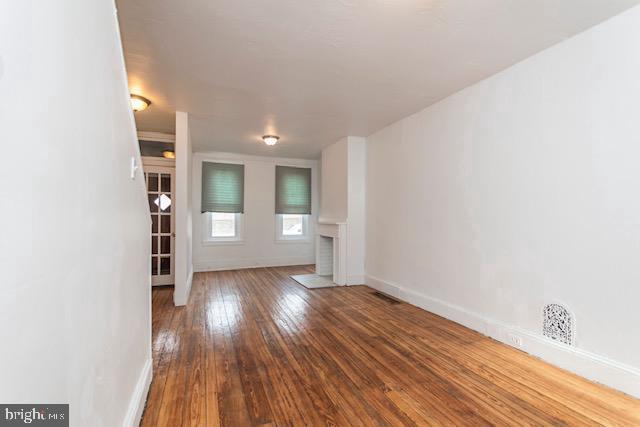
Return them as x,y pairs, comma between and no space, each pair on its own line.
207,227
282,238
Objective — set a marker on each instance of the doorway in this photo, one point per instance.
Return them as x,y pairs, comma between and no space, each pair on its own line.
160,181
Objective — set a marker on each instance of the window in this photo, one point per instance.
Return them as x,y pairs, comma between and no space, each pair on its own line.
222,227
223,224
293,202
222,202
292,227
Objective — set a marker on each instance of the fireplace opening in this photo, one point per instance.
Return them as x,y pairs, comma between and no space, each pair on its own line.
324,257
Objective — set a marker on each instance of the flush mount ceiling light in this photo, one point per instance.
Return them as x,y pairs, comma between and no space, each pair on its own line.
168,154
270,139
139,103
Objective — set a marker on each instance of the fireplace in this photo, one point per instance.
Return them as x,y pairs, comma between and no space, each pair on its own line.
331,251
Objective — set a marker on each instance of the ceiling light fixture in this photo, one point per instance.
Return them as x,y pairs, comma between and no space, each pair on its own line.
169,154
139,103
270,139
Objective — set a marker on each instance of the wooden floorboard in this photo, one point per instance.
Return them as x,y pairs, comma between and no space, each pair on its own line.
254,348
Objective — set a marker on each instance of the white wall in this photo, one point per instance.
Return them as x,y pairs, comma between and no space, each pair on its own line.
335,182
259,246
74,252
356,210
183,211
519,191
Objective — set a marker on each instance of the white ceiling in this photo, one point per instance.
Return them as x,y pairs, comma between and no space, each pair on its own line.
315,71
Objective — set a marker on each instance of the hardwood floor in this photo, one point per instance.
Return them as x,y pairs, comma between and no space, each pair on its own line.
253,347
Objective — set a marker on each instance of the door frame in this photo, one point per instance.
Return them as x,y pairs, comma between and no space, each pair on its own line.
167,166
158,162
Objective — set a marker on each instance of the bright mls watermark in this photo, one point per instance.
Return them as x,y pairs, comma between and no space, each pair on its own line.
34,415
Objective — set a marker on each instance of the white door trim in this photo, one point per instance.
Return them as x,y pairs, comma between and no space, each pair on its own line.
152,167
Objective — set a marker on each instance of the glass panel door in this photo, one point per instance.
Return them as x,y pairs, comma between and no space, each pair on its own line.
160,191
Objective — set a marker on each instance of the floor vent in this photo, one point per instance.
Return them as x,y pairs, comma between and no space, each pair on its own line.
558,323
386,298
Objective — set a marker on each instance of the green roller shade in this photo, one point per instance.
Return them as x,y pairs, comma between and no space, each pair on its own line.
222,187
293,190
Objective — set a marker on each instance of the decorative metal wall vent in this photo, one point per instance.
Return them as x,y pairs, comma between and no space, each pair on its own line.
559,323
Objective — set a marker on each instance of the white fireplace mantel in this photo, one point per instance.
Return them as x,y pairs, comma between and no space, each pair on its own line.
338,232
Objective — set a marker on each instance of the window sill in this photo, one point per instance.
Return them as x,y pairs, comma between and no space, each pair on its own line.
222,242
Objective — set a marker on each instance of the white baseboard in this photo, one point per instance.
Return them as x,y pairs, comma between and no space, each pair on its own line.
592,366
238,263
139,396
